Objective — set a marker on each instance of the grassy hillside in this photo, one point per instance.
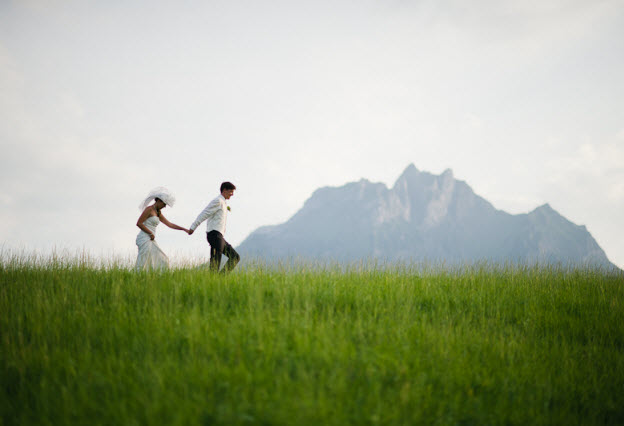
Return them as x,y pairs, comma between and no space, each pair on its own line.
479,345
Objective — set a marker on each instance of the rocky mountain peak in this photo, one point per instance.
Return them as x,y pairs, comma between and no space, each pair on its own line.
423,216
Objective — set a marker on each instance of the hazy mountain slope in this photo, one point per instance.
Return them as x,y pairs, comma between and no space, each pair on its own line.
423,216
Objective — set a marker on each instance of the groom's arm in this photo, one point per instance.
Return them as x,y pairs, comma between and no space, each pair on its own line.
205,214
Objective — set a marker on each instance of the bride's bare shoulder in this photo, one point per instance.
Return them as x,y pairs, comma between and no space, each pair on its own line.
149,211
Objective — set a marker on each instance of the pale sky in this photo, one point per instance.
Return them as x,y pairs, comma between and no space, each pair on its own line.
100,101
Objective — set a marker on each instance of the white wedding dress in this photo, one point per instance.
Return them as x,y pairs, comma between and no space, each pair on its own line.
150,255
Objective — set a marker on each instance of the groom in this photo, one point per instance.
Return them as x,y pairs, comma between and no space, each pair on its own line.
216,214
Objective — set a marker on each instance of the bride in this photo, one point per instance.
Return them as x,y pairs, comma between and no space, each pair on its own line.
150,255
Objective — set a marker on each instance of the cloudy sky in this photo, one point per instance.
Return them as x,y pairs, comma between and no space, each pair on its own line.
100,101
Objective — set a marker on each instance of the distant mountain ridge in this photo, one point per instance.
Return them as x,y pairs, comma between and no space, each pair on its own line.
422,217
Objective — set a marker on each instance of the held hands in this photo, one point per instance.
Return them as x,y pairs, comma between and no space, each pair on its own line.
190,231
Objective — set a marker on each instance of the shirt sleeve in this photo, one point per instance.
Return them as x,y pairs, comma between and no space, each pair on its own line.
213,207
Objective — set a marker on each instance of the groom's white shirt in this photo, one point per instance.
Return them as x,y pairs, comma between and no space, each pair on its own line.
216,214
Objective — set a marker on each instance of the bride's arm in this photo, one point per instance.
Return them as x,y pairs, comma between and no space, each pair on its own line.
143,218
172,225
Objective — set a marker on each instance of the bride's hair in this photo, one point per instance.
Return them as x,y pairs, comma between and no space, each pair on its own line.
157,209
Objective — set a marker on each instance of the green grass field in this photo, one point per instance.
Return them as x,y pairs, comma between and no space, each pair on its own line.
81,344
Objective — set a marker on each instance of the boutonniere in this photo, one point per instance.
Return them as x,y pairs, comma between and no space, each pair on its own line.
229,209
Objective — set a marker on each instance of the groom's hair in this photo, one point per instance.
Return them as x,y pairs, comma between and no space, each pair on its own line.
227,186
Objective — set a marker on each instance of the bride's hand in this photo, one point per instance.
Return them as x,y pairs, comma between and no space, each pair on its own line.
152,236
189,231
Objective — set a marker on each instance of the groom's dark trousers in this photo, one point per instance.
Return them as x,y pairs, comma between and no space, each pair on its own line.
219,247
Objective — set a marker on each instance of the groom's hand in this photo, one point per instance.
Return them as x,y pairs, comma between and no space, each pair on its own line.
190,231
